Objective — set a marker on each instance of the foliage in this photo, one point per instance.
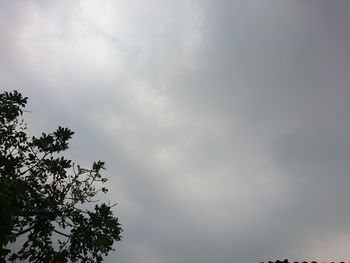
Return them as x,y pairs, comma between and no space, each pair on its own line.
44,196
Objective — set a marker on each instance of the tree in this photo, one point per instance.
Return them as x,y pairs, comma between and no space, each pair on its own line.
44,197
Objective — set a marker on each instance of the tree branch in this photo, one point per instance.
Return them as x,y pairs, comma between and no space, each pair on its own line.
63,234
24,231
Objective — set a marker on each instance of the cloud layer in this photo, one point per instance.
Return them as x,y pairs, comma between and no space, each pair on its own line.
224,124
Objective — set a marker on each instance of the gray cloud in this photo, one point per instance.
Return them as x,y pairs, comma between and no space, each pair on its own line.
224,125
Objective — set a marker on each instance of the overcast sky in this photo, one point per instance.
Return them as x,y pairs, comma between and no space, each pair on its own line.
224,124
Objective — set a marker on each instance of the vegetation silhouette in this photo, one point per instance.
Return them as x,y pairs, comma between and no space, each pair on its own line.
44,196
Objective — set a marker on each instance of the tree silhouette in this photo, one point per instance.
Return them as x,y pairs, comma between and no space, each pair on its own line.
44,196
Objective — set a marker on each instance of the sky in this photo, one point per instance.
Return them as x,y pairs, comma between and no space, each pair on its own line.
224,124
